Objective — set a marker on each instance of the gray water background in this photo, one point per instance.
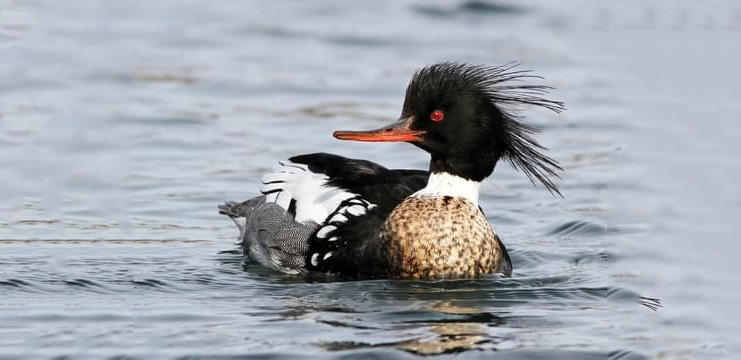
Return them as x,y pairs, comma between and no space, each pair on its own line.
123,124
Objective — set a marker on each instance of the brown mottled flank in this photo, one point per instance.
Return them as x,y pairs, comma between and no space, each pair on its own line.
441,237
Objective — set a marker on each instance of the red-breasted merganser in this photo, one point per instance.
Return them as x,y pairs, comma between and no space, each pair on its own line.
354,218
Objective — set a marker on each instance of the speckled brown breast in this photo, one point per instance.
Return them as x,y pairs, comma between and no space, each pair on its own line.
441,237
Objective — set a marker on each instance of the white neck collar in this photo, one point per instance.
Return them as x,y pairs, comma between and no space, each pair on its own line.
444,184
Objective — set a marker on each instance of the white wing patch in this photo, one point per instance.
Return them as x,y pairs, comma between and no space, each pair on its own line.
314,200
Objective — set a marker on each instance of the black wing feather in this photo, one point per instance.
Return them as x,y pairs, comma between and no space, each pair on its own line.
357,248
374,183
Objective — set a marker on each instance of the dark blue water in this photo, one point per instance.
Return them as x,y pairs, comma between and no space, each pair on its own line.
123,125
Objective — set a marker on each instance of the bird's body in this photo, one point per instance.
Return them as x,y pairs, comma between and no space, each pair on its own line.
354,218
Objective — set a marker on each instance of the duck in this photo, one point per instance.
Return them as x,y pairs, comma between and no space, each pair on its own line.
323,213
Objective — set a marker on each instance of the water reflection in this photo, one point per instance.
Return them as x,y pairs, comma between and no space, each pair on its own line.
461,335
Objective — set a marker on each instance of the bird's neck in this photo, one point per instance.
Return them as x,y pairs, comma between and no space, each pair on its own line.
445,184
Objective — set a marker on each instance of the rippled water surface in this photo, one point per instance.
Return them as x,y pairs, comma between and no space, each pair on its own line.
124,124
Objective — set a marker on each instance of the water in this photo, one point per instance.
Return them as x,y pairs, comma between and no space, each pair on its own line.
122,125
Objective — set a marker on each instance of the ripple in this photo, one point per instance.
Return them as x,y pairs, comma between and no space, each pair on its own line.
84,283
581,228
479,318
346,324
536,281
531,258
480,8
476,342
600,257
154,283
651,303
108,317
16,283
630,297
448,339
625,355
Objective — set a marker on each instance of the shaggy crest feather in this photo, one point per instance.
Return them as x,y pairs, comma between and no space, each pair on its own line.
505,88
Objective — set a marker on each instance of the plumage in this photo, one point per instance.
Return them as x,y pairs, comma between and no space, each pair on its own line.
270,235
354,218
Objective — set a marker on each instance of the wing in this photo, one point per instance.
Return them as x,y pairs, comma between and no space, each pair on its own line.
349,241
309,196
353,246
372,182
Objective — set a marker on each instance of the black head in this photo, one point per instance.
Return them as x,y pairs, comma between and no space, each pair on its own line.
454,112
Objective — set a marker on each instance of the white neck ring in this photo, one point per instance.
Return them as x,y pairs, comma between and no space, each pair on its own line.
445,184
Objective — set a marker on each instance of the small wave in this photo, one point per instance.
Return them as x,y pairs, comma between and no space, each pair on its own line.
530,258
601,256
346,324
625,355
16,283
651,303
631,297
86,284
459,343
471,7
581,228
535,281
151,283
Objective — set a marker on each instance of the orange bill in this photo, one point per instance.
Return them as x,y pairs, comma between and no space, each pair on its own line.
399,131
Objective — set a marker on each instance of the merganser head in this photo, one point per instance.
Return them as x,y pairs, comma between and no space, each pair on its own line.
454,112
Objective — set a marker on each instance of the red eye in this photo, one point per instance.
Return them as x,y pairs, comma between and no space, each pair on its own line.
437,115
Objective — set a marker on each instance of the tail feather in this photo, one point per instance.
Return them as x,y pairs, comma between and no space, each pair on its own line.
240,213
269,234
228,208
243,209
